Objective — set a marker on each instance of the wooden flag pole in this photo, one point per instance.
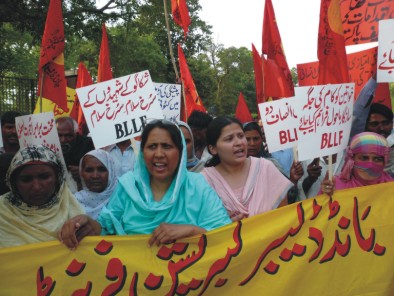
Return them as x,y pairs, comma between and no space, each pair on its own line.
41,86
169,41
330,167
262,74
184,101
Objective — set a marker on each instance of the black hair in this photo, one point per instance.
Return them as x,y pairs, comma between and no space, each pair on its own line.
377,108
214,131
9,117
171,128
199,119
253,126
5,162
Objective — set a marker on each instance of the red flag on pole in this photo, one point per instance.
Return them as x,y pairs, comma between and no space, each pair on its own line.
331,52
382,95
83,79
180,14
51,79
191,97
272,47
242,112
258,76
104,66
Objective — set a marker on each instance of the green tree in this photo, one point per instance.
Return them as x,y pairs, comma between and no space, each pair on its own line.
233,68
18,54
294,76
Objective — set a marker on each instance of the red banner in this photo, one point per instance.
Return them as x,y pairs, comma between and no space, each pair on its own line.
361,65
360,19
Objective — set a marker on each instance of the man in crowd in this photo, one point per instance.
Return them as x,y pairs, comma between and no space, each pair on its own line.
380,121
124,155
74,146
198,122
8,131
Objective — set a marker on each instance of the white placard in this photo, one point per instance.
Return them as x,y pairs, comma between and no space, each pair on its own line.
39,129
1,137
169,97
385,71
325,119
317,119
116,110
280,122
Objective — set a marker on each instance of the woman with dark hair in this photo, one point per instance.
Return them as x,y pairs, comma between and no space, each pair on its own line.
160,197
247,185
39,201
255,139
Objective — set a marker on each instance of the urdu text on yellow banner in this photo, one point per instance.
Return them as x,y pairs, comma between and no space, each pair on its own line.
321,246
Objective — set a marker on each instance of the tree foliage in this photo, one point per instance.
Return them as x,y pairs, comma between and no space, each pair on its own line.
137,34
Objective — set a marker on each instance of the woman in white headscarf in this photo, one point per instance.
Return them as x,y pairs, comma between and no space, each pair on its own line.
97,170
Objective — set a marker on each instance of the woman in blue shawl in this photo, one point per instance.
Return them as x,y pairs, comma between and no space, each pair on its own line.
160,197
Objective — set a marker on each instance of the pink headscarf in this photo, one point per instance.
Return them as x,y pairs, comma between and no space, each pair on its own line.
363,143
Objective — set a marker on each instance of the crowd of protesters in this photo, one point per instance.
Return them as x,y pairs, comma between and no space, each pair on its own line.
181,179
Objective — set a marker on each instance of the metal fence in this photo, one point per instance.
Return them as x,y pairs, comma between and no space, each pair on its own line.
17,94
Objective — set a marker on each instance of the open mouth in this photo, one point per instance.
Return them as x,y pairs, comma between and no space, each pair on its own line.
239,152
159,166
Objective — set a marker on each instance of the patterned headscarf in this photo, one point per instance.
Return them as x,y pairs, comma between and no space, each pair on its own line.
366,142
34,155
22,223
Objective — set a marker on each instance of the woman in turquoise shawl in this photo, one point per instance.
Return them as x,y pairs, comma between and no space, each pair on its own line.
160,197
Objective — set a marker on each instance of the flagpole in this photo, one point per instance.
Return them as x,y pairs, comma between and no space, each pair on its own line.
184,100
169,40
263,74
41,86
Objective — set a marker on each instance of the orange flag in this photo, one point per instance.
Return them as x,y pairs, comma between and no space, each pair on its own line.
51,79
331,52
180,14
272,47
104,67
192,99
242,112
258,76
83,79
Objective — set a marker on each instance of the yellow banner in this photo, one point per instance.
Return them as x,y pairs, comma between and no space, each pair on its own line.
48,105
342,246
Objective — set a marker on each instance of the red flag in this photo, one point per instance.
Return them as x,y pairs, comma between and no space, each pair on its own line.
51,79
272,47
242,112
331,50
104,67
258,76
382,95
83,79
180,14
274,88
192,99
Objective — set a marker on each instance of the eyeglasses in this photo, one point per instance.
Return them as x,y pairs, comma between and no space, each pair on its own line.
377,123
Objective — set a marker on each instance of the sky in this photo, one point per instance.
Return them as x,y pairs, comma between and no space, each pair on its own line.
239,23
